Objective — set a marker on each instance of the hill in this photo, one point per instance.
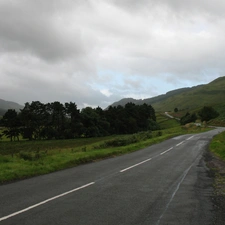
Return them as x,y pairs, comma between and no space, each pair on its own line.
187,98
5,105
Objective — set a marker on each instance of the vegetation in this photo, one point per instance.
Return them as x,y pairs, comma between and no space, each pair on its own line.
166,122
220,120
38,121
188,118
29,158
217,145
207,113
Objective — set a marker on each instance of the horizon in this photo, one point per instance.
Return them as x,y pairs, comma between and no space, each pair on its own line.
116,100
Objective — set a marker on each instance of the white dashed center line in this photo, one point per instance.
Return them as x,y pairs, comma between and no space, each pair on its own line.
121,171
180,143
44,202
166,151
84,186
189,138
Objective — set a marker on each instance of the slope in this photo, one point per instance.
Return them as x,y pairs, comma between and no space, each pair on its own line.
204,95
5,105
188,98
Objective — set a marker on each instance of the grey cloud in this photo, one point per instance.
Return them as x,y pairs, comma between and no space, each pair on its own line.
192,7
36,28
54,50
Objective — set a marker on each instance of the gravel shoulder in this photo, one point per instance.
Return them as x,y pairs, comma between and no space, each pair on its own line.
217,172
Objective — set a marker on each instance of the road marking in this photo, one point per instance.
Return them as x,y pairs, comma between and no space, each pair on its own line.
180,143
190,138
166,151
44,202
121,171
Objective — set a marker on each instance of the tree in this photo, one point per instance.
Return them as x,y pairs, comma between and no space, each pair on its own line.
188,118
176,110
73,120
207,113
34,118
58,119
12,124
90,119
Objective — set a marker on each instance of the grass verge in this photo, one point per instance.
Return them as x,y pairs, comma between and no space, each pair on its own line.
216,163
217,147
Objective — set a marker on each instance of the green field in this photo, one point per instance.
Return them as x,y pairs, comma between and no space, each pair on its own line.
166,122
24,159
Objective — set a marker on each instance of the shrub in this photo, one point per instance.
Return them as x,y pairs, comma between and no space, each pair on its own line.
26,156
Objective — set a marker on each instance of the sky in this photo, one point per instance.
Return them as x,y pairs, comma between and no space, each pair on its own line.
96,52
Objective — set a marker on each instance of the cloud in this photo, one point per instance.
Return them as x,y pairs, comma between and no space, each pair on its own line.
106,92
96,52
37,28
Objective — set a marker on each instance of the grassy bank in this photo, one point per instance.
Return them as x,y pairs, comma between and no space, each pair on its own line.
217,164
24,159
217,146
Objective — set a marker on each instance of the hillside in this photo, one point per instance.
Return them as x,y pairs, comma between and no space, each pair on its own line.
188,98
204,95
5,105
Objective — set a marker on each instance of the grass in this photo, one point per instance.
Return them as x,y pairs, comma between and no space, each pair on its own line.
217,145
210,94
220,120
165,122
25,159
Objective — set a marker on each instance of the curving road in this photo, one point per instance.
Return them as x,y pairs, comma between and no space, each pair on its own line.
166,183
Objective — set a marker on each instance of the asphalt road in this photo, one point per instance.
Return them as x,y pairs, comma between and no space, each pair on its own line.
163,184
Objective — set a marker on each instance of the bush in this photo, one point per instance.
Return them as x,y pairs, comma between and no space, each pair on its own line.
207,113
31,156
26,156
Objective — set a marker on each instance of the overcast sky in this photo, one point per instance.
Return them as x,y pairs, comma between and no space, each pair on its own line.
95,52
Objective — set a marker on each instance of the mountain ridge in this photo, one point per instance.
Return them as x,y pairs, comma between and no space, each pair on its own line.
184,98
5,105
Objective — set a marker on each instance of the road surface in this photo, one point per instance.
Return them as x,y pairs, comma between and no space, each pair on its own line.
166,183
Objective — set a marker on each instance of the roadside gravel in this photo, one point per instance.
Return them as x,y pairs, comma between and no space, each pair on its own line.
217,172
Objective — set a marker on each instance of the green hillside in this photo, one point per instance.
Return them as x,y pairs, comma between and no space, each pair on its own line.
186,99
204,95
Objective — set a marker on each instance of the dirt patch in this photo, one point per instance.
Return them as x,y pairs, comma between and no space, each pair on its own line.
217,171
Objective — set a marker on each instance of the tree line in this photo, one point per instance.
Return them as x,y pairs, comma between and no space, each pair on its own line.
55,120
205,114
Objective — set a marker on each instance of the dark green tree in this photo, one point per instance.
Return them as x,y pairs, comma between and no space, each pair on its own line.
12,124
90,119
103,124
34,118
58,118
73,123
188,118
207,113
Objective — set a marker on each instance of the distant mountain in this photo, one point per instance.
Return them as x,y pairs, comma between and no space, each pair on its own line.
188,98
5,105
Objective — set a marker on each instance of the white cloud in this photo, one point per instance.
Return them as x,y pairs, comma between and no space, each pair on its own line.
106,92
